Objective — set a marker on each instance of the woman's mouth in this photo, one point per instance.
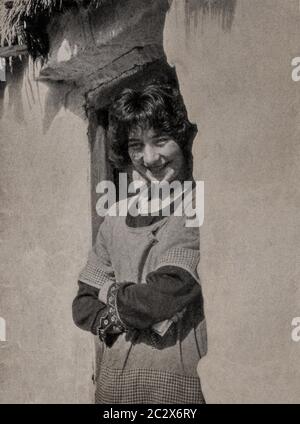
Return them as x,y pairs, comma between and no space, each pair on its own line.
157,169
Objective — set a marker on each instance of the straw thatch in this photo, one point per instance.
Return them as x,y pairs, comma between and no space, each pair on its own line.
24,22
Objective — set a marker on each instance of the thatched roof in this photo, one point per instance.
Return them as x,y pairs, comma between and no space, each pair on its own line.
14,13
24,22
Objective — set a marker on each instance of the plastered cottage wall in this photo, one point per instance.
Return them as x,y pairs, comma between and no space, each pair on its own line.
45,236
238,89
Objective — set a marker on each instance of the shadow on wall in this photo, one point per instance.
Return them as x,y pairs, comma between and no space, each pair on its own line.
196,10
2,89
20,81
14,83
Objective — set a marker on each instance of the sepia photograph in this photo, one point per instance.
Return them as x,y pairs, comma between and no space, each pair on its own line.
150,204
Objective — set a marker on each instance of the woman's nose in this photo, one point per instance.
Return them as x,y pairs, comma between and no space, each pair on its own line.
151,156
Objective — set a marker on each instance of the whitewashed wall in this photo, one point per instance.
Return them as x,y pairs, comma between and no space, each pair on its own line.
239,90
45,236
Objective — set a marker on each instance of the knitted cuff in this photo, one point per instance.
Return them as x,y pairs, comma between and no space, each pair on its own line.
110,324
113,308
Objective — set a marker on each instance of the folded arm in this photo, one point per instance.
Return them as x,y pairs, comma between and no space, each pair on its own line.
87,309
113,306
168,291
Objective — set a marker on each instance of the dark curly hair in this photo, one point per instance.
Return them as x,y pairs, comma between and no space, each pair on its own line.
159,106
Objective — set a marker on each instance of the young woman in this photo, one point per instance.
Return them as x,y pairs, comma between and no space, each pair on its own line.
140,291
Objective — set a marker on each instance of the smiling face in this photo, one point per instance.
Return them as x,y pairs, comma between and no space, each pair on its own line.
155,156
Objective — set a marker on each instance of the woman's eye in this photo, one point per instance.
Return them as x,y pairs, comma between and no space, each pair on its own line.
135,146
162,141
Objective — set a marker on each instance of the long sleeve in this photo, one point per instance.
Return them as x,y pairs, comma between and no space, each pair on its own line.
168,291
169,286
172,285
87,309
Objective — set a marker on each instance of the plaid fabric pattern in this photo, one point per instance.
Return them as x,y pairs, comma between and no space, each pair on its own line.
187,259
93,275
147,386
